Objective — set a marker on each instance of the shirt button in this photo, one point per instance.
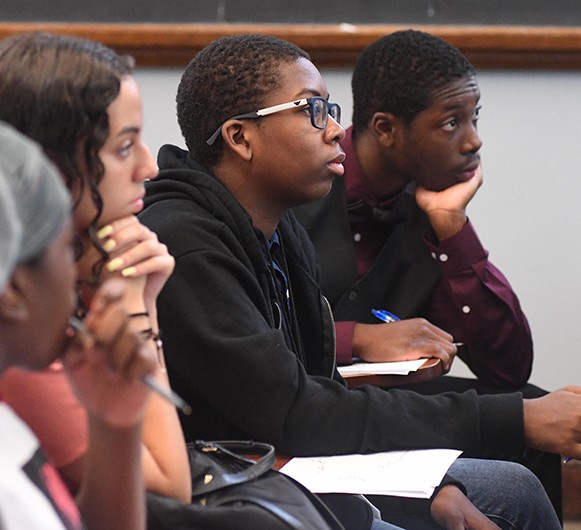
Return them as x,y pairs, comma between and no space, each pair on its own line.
352,295
443,257
434,255
466,309
357,237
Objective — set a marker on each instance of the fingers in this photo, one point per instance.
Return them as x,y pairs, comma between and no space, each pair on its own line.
453,510
447,357
446,352
473,184
143,259
574,389
429,340
479,175
108,324
78,341
134,249
421,329
123,233
553,422
403,340
431,331
108,295
453,199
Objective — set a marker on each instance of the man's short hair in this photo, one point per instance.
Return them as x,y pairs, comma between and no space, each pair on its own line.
399,72
231,76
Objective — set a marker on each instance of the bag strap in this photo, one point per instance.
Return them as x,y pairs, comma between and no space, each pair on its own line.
248,447
247,468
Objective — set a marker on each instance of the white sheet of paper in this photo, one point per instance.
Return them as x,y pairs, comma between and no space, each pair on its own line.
396,368
399,473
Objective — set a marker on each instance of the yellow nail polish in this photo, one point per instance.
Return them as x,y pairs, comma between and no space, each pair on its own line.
129,271
114,264
109,245
105,231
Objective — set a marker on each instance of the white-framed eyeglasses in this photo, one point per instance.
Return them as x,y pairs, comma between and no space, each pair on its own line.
320,111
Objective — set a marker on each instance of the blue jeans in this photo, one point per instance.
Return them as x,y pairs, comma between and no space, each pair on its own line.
507,493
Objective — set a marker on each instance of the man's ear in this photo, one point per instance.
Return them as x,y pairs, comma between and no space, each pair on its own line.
13,300
236,136
384,126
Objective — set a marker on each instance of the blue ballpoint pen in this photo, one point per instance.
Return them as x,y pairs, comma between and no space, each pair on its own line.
384,316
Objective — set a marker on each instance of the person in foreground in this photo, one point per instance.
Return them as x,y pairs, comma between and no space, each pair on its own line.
83,105
249,338
393,232
104,365
79,100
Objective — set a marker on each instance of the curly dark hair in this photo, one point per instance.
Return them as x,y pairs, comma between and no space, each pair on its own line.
399,72
231,76
56,89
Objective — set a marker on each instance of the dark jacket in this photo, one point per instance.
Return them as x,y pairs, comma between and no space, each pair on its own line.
403,276
227,359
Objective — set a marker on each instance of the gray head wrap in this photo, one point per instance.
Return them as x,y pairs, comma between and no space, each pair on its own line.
34,203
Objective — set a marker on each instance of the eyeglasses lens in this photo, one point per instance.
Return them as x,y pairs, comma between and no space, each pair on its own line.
320,113
321,110
335,112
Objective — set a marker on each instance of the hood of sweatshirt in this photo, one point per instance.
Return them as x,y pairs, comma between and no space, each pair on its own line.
181,177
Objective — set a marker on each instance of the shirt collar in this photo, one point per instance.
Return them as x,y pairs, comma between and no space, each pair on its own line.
356,187
268,246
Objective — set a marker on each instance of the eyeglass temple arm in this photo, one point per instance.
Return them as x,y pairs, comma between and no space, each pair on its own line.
218,131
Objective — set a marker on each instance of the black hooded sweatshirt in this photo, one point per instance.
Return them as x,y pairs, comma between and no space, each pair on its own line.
226,357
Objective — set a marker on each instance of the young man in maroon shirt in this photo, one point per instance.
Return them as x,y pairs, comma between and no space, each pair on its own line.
393,233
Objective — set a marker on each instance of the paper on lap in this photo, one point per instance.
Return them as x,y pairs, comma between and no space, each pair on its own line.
392,368
398,473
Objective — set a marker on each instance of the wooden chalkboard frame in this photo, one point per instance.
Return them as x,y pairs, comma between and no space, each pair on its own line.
173,45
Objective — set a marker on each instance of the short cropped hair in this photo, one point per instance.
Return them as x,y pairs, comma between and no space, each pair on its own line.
399,72
231,76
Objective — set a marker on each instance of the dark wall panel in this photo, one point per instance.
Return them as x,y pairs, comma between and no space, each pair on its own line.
461,12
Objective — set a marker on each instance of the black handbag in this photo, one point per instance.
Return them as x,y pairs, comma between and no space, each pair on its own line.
232,491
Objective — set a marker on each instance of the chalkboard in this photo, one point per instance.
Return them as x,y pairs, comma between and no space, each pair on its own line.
438,12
